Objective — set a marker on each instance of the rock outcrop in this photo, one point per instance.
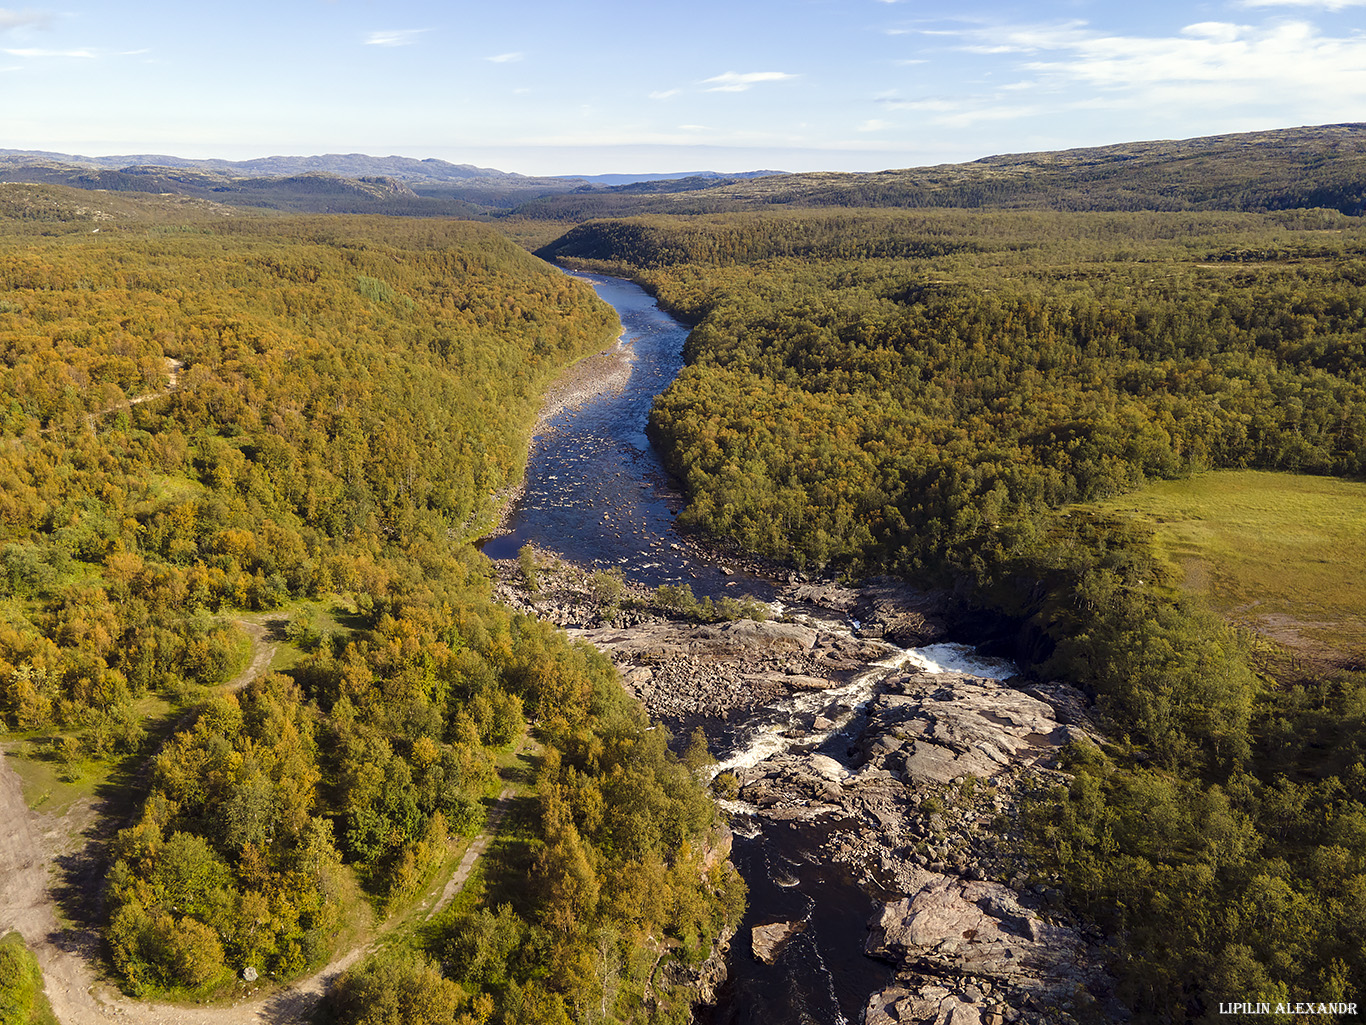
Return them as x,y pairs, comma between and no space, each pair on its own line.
946,726
1004,952
704,979
900,614
768,940
921,801
686,671
912,780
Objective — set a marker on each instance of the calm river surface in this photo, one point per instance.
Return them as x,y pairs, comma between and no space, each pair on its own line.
597,493
596,490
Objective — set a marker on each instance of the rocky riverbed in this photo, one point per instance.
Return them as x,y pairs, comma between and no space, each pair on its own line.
922,803
833,719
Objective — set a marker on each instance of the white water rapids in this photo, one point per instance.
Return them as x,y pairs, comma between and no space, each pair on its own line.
771,730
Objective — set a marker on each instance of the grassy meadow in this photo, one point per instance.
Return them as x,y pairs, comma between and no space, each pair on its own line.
1284,554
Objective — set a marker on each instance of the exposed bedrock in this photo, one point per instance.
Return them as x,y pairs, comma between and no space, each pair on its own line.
913,780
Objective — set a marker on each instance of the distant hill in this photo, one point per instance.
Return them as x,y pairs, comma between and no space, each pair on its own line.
350,165
632,179
332,182
304,193
1323,166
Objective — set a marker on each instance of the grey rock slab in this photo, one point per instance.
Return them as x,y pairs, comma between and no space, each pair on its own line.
976,928
768,940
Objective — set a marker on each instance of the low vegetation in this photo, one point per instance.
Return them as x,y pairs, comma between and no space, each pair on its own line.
22,1001
1290,169
1281,553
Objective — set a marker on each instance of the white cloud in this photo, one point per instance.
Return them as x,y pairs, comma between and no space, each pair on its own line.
1211,61
1282,71
1267,61
394,37
734,82
23,19
930,104
1326,5
874,124
506,58
664,94
34,52
1018,38
1218,31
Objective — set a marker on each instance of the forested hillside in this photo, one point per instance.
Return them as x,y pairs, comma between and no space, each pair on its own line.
210,417
1292,168
931,393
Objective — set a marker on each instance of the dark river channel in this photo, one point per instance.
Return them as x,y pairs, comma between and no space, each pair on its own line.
598,494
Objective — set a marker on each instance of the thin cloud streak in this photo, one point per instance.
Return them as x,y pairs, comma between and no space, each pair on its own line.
735,82
23,19
1322,5
394,37
37,53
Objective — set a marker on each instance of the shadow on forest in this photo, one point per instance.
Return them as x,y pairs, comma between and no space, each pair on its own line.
78,885
523,771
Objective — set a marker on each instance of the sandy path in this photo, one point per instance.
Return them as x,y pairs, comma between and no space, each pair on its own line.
473,853
31,845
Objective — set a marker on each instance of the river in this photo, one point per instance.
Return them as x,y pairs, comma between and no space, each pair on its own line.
596,489
598,494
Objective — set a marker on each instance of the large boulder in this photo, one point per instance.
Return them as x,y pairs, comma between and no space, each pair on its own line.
768,940
944,726
953,926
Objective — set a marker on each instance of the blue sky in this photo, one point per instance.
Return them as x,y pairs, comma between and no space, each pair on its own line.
552,88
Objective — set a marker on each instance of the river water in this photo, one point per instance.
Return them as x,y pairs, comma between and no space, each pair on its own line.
598,494
596,489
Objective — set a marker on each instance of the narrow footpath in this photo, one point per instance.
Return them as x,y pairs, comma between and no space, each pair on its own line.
473,853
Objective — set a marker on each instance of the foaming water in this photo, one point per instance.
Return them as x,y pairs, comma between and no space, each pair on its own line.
770,731
774,729
960,658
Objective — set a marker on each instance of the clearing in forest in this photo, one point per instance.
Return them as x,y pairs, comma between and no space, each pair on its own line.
1284,554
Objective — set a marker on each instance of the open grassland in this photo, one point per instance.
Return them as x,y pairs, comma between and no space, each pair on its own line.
1283,553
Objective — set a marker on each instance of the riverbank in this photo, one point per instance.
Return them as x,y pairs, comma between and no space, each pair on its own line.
857,745
603,373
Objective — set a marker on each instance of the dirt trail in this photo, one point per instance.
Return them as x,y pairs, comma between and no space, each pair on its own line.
261,654
173,368
33,844
473,852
